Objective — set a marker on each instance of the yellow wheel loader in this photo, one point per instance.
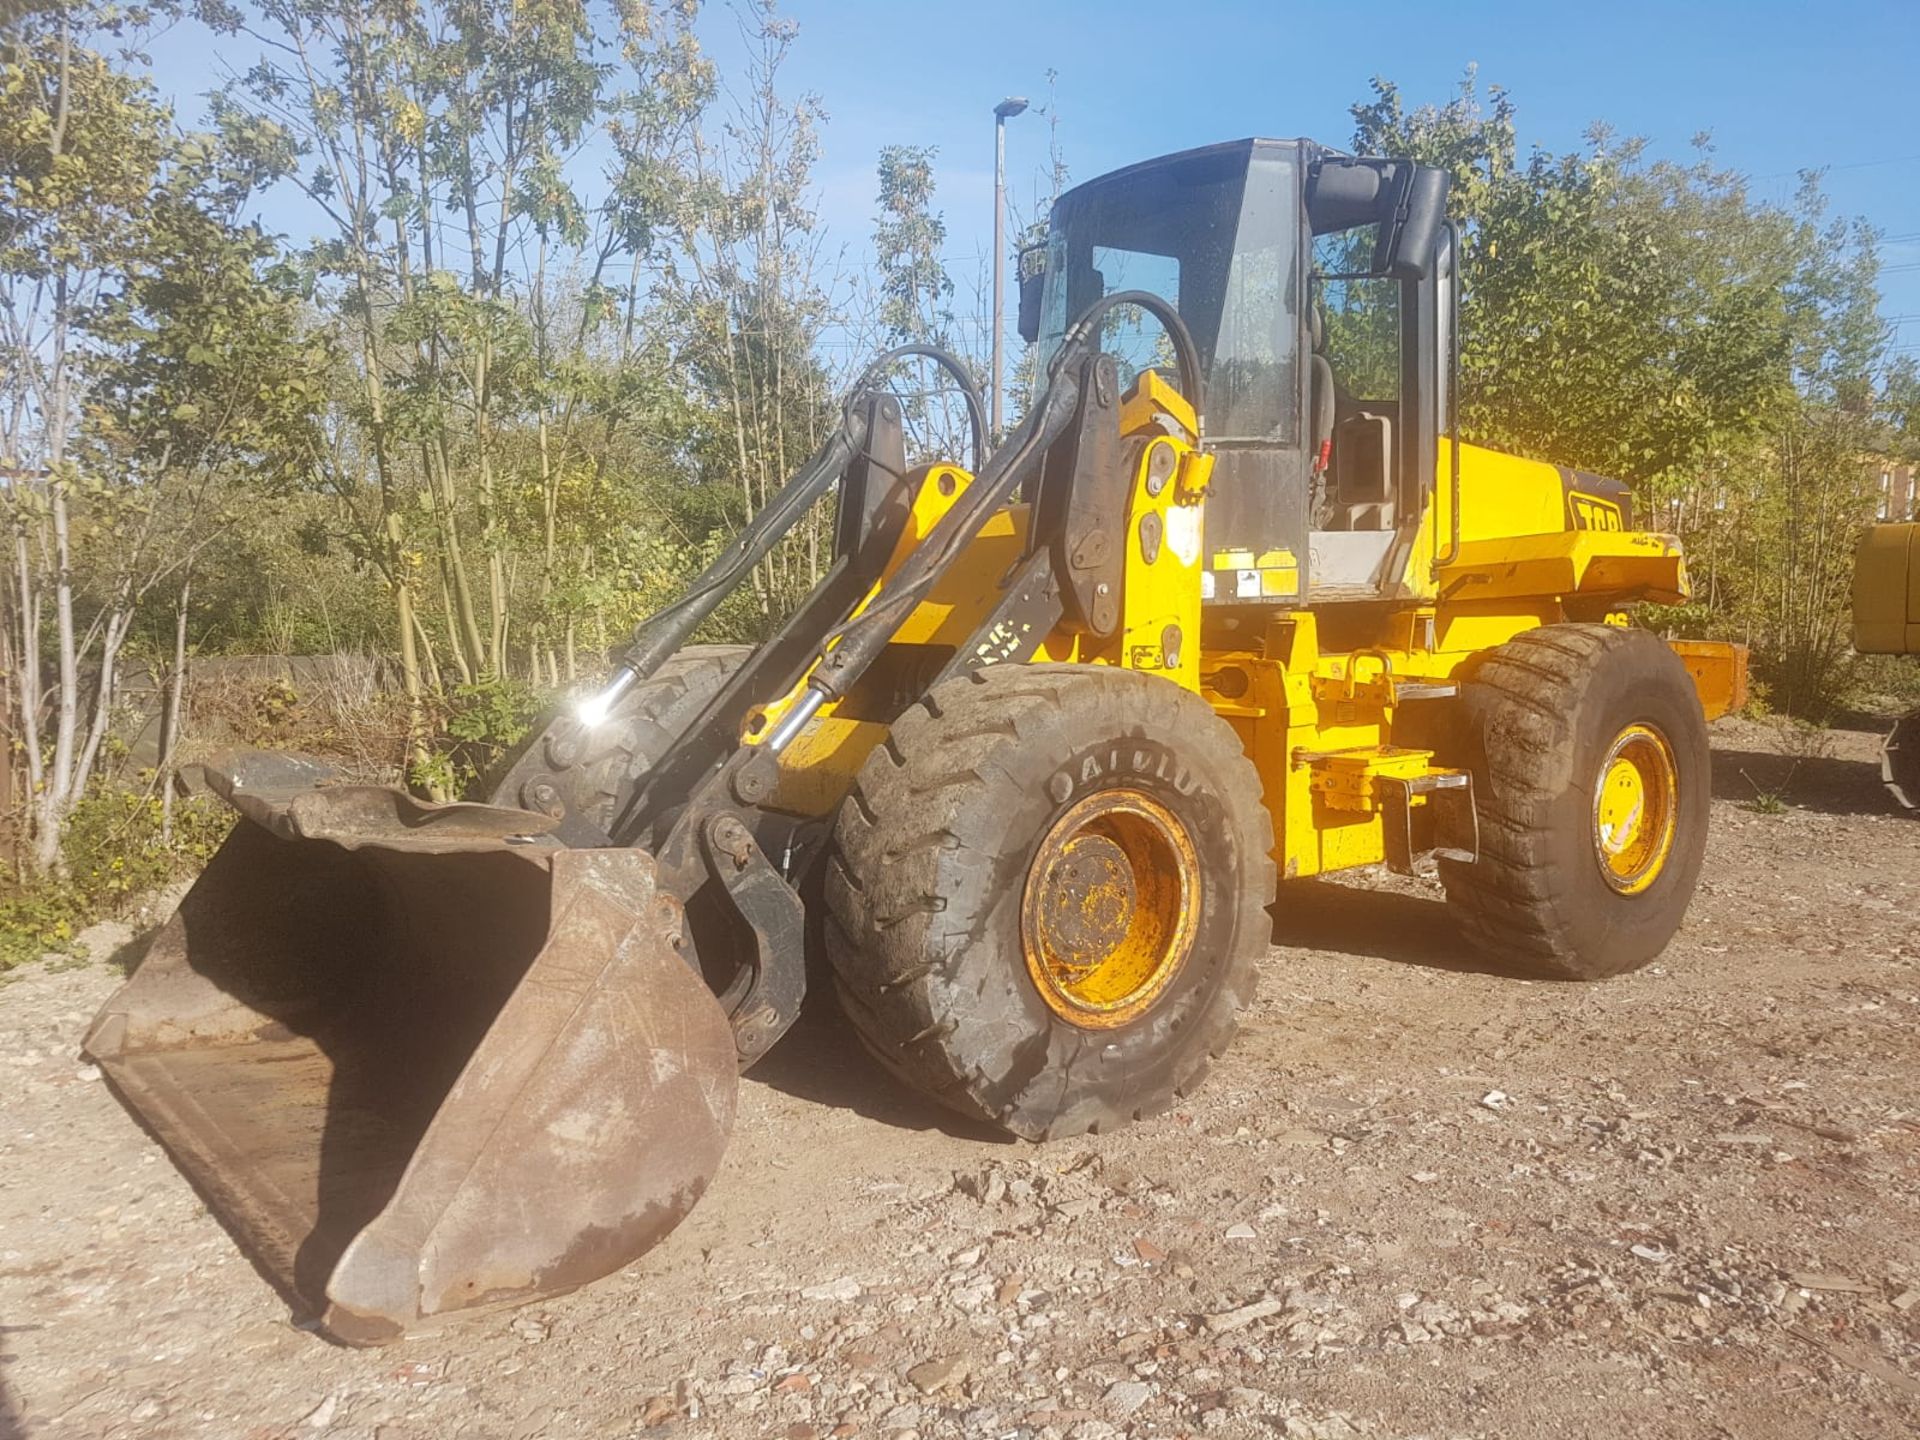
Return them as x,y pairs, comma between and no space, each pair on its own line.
1231,603
1886,621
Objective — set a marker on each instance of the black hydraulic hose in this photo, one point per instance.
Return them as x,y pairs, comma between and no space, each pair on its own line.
1003,471
951,363
1185,353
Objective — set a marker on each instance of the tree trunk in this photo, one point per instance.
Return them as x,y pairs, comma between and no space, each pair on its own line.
409,648
170,717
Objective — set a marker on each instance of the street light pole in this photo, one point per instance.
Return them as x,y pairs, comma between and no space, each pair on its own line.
1004,111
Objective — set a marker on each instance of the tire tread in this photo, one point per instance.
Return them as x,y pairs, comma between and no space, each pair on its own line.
908,809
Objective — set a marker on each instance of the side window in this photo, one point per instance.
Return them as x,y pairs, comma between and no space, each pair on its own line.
1357,332
1359,318
1253,392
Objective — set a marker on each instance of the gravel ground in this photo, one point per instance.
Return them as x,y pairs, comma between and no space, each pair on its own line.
1419,1198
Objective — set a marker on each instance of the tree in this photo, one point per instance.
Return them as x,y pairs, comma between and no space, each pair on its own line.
108,216
205,396
742,304
916,294
1653,321
915,288
434,139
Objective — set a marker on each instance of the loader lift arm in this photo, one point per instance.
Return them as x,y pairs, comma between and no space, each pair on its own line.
867,438
865,456
698,809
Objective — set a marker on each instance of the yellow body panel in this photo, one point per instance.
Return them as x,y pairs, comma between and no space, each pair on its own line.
1719,672
1163,592
1318,724
1624,565
1886,591
1516,538
1500,495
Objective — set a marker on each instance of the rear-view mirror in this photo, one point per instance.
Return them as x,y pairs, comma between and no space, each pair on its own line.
1406,204
1407,253
1033,277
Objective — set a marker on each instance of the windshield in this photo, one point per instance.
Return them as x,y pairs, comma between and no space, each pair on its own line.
1218,235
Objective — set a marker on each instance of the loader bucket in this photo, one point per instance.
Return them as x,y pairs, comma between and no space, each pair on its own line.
418,1059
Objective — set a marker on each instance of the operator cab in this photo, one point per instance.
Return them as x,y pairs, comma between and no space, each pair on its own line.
1317,288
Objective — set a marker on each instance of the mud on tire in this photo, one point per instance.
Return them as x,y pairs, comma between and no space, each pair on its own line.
929,865
1537,717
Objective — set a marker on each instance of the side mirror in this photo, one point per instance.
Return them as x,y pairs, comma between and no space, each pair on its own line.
1406,247
1405,203
1033,279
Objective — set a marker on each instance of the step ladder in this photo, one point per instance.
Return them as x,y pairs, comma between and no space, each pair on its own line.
1426,810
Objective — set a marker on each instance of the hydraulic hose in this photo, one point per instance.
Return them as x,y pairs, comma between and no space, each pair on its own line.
948,361
1185,353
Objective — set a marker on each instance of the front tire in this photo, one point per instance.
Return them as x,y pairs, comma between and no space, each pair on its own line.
1591,778
593,770
1047,895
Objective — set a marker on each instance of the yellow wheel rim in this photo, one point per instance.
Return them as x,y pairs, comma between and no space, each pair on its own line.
1636,801
1111,904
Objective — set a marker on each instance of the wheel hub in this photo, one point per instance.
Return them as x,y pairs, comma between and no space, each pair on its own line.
1635,807
1110,908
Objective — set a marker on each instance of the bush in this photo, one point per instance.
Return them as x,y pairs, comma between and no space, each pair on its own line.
1885,685
483,723
112,855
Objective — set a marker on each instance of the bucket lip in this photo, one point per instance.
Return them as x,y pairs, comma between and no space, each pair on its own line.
425,1255
300,798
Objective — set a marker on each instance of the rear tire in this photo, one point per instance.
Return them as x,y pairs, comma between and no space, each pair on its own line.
999,798
1591,782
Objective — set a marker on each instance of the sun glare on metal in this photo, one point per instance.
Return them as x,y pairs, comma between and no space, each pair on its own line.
592,710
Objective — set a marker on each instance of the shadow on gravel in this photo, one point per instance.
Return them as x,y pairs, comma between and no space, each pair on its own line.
1383,924
13,1425
1863,722
1825,783
822,1061
126,958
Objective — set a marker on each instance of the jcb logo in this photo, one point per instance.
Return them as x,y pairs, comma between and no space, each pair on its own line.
1590,512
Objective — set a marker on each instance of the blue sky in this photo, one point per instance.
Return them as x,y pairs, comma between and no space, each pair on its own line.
1781,87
